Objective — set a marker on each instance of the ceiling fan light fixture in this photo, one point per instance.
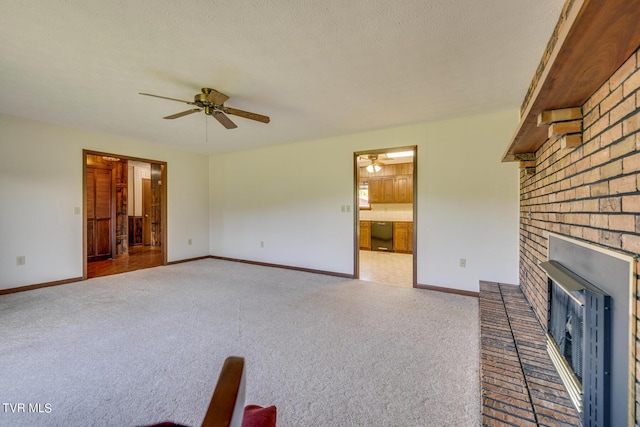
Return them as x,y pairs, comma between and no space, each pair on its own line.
373,168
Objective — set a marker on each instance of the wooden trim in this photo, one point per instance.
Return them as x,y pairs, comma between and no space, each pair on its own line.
596,38
39,285
448,290
414,203
356,217
414,223
188,260
84,214
286,267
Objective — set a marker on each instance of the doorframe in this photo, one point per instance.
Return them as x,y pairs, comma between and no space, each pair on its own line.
163,202
356,207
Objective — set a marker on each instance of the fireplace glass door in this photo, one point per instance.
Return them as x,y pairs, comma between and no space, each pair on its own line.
566,326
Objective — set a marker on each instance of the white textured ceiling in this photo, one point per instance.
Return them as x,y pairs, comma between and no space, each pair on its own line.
317,68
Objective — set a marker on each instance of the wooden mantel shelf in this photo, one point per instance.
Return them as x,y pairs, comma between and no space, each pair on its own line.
594,40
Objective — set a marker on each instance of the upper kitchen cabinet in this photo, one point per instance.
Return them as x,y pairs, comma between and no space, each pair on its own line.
391,184
382,190
403,189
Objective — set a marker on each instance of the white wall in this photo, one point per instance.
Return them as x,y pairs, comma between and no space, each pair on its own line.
41,184
290,198
287,196
468,203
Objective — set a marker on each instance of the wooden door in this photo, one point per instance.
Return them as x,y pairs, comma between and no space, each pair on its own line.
146,211
99,214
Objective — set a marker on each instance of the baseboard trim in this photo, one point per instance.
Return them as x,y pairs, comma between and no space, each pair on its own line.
286,267
448,290
39,285
188,260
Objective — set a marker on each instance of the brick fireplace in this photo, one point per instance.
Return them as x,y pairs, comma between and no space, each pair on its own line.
589,192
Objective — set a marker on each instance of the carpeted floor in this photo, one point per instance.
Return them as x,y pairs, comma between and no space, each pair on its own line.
147,346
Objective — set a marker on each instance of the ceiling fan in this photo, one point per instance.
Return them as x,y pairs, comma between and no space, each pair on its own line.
212,102
375,165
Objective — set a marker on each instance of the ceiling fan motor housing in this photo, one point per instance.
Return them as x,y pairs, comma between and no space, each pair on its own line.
201,100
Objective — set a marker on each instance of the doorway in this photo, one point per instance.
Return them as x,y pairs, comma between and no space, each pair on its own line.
125,214
385,228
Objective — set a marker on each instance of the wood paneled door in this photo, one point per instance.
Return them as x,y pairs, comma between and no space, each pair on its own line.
100,213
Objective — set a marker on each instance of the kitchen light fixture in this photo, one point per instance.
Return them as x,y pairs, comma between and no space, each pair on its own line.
400,154
373,167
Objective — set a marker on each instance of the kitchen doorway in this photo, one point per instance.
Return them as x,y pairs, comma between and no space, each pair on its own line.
385,228
125,214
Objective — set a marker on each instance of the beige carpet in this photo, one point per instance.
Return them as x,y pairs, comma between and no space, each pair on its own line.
147,346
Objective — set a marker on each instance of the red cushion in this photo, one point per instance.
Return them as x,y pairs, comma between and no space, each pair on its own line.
257,416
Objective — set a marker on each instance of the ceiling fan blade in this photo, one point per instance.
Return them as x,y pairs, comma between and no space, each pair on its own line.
247,115
224,120
166,97
216,98
184,113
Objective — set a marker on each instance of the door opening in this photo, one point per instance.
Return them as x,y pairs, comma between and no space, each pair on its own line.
385,228
125,214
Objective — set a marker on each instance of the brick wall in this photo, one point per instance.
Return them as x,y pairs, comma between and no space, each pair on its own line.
592,192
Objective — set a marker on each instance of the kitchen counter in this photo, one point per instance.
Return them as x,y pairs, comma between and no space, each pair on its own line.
388,212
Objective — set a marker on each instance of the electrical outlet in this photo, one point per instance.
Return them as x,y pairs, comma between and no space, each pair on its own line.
76,210
190,241
463,262
261,244
342,208
21,260
348,208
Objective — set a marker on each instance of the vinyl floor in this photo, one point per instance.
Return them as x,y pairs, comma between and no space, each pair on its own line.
387,268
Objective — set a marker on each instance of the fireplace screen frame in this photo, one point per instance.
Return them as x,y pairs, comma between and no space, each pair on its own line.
589,389
615,273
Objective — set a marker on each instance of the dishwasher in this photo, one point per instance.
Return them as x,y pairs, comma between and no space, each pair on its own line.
382,236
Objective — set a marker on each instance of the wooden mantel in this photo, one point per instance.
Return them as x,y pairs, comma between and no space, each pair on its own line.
592,41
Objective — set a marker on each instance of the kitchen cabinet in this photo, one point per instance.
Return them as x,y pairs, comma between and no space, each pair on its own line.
396,189
381,190
403,237
391,184
365,235
403,189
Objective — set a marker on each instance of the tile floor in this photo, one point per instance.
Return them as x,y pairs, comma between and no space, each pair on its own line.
388,268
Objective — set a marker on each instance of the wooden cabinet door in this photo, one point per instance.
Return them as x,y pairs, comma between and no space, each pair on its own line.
388,188
403,237
99,214
365,235
375,190
404,189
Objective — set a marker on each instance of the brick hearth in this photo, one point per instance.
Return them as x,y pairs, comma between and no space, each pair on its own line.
520,386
